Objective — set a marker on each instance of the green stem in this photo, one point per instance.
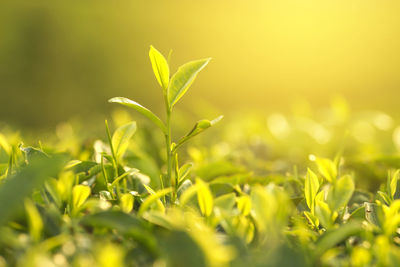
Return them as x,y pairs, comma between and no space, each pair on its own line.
169,151
115,162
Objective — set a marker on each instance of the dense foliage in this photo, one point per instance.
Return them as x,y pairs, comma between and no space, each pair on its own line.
305,189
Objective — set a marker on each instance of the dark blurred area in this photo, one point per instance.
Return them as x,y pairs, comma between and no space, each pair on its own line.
60,59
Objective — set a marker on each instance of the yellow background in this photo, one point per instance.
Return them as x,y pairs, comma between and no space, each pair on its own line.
65,58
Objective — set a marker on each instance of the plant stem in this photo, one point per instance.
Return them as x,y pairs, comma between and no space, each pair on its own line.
168,140
114,157
168,143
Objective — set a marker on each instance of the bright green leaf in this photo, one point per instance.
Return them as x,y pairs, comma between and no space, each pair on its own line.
244,205
121,137
312,219
136,106
385,197
341,192
204,197
34,220
327,168
160,67
152,198
184,171
393,183
311,187
323,213
199,127
126,202
183,78
79,195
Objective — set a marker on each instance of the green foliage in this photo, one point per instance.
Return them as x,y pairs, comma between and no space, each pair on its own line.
173,90
246,196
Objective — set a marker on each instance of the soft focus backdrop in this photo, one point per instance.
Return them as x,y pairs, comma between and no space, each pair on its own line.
60,59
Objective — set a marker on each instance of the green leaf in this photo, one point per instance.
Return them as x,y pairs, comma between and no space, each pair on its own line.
226,201
136,106
374,213
126,202
181,249
79,195
152,198
21,185
187,194
384,197
32,153
199,127
358,214
311,187
34,220
327,168
244,205
160,67
393,183
341,192
124,175
4,144
323,213
184,171
126,224
312,219
333,237
183,78
204,197
121,137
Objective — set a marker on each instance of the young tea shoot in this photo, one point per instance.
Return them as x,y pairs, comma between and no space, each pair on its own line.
173,89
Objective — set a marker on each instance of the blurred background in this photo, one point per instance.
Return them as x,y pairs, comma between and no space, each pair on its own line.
60,59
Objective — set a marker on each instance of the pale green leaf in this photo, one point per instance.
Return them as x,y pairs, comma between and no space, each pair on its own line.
79,195
385,197
312,219
136,106
183,78
121,137
333,237
323,213
187,194
311,187
204,198
393,183
199,127
184,171
126,202
160,67
225,202
327,168
152,198
340,194
34,220
244,205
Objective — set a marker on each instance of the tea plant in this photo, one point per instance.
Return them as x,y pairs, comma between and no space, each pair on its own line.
173,90
295,191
